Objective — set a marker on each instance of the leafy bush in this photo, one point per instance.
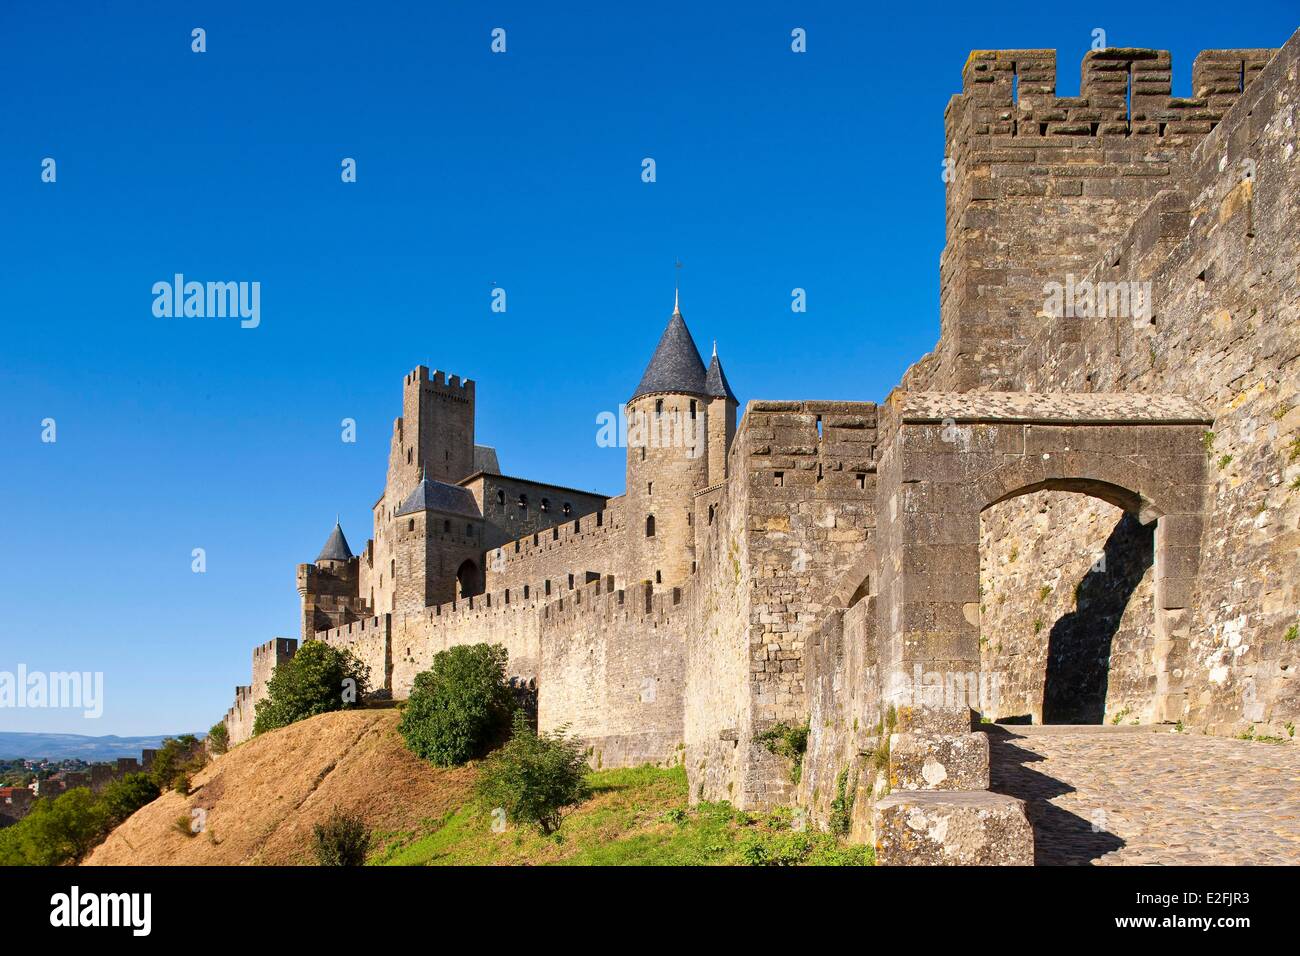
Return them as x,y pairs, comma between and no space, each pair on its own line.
342,840
460,706
316,680
123,797
786,741
219,738
56,831
178,757
535,777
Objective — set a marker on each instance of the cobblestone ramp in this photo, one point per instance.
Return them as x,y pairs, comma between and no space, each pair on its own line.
1103,796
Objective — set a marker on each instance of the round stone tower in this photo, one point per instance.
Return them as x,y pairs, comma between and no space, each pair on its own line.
667,458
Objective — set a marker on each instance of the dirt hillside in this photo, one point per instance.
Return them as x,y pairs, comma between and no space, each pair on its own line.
262,798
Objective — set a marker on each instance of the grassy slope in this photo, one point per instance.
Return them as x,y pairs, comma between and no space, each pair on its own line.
636,817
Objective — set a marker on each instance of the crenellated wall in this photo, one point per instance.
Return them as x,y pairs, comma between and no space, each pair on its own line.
613,672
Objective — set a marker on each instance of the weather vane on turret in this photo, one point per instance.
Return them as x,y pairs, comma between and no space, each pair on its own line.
677,287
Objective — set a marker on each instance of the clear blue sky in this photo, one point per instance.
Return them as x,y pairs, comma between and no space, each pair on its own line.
522,170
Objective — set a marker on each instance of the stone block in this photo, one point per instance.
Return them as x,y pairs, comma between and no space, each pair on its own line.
921,761
929,828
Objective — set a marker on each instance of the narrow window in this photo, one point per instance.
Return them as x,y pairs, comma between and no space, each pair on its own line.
501,498
408,456
570,582
410,525
659,577
546,504
778,479
692,409
690,519
469,531
548,587
862,480
659,406
525,592
446,527
711,507
567,509
393,568
523,502
649,487
650,526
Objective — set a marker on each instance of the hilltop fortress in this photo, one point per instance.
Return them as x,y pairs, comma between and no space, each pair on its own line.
1076,515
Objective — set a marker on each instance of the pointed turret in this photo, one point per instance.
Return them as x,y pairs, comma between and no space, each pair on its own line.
676,366
336,547
715,381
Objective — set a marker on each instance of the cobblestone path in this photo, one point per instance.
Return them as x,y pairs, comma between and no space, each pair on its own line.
1108,795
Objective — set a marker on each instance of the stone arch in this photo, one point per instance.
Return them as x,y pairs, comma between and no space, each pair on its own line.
856,584
469,579
954,455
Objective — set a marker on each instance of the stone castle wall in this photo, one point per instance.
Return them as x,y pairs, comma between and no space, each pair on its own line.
850,542
613,672
1217,242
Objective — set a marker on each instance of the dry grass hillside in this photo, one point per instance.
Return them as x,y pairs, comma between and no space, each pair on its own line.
263,797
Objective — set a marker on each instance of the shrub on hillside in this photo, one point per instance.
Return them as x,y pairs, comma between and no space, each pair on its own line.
178,757
219,738
342,840
535,777
123,797
460,706
316,680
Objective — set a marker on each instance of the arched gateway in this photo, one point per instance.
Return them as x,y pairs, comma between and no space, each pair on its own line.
951,456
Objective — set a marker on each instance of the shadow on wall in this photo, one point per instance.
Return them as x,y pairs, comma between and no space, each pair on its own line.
1079,645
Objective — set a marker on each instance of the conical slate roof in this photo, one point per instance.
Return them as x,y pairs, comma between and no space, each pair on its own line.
336,548
716,381
676,365
439,496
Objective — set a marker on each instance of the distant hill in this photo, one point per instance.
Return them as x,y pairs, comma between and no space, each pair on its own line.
69,746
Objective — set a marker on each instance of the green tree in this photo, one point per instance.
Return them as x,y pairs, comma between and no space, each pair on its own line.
219,738
55,832
177,758
316,680
460,706
534,777
123,797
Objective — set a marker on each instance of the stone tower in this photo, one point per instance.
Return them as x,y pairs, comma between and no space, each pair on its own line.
433,438
722,418
435,435
437,547
328,588
667,457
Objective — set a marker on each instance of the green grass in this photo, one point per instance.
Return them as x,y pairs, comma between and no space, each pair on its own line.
635,817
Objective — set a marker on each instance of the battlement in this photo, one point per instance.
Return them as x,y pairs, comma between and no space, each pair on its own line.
442,381
599,598
560,537
1122,92
276,649
809,442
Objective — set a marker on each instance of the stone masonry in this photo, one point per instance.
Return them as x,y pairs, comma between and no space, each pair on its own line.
1082,507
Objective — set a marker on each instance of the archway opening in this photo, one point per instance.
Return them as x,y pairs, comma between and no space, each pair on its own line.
469,580
1067,609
